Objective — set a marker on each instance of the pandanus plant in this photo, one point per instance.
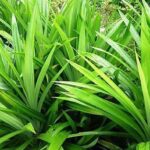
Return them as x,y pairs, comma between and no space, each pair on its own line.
115,81
104,78
34,49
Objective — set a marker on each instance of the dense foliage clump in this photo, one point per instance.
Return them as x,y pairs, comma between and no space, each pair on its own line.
74,75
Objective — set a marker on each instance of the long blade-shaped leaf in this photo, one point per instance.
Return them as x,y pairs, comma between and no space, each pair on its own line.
28,70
